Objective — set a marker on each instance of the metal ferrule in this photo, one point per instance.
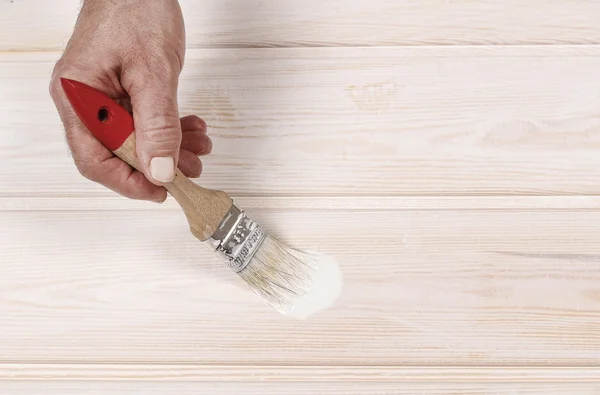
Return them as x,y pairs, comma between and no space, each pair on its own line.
237,239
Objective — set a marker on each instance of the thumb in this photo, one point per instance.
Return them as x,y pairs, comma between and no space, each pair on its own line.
158,127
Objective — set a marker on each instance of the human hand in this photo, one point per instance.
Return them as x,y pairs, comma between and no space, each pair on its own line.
134,52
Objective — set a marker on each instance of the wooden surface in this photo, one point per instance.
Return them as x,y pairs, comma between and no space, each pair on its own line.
347,121
296,388
446,286
33,25
457,184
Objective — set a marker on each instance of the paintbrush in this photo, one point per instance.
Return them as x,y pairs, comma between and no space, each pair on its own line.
279,274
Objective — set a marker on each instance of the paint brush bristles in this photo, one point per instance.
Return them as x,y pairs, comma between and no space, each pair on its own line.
279,274
295,283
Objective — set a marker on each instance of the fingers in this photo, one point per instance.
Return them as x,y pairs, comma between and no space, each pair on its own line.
193,129
118,176
193,123
195,142
98,164
94,161
190,164
153,96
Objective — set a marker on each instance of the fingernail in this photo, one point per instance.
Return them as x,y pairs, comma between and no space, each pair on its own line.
161,199
163,169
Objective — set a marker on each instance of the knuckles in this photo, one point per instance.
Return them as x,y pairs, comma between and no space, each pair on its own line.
162,135
54,85
88,170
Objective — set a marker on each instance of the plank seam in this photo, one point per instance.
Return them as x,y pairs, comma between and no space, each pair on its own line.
287,373
318,203
341,46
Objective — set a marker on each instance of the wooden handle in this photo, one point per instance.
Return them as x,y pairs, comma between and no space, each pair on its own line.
204,208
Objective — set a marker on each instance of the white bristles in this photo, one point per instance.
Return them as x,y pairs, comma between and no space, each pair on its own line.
279,274
295,283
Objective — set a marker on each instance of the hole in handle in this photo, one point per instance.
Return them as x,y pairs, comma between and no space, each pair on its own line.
103,115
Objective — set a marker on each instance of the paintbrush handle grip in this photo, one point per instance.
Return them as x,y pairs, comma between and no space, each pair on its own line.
204,208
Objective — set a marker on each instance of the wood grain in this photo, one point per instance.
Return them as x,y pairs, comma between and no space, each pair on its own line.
421,287
287,374
296,388
351,122
32,25
446,152
343,203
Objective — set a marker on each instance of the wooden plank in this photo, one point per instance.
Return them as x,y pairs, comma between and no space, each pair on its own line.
350,122
294,388
32,25
286,374
420,287
340,203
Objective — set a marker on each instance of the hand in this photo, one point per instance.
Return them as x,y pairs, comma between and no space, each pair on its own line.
134,52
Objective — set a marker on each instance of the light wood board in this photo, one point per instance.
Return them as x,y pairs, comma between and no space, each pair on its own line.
283,375
295,388
445,152
420,287
33,25
351,122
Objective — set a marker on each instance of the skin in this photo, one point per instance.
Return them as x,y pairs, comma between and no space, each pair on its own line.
133,50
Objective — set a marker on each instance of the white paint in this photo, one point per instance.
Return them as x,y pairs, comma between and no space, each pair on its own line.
325,288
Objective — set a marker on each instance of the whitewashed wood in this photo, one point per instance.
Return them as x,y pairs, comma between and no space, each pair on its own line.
457,280
350,122
350,203
44,25
421,287
283,374
295,388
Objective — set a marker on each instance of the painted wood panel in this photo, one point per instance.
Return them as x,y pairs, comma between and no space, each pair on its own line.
317,204
297,373
351,122
455,287
296,388
457,185
32,25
